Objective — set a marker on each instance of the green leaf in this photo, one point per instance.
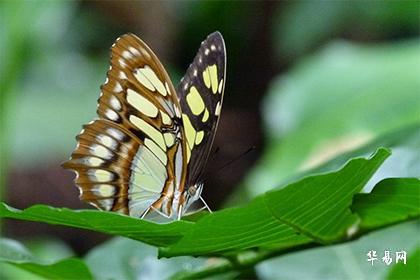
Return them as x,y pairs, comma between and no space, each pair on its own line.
235,229
14,253
106,222
410,270
391,201
307,206
319,205
264,223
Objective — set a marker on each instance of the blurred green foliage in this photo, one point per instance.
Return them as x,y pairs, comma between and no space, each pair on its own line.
303,25
333,102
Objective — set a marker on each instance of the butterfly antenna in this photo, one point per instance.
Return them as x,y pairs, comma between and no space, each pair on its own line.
214,154
250,149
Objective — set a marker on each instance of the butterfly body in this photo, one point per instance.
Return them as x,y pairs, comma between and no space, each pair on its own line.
148,149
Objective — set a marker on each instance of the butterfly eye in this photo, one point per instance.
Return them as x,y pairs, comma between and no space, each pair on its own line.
192,191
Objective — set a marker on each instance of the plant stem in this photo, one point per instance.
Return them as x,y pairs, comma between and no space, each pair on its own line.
242,261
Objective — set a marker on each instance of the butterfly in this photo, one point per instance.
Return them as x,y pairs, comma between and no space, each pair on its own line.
147,151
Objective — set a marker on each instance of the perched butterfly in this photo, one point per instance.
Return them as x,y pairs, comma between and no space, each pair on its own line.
147,151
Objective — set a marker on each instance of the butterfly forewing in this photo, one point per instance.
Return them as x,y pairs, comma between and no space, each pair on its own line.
201,95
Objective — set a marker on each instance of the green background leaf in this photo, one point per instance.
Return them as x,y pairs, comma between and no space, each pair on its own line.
333,102
384,205
410,270
14,253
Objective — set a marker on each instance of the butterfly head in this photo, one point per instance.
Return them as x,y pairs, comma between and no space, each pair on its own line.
192,194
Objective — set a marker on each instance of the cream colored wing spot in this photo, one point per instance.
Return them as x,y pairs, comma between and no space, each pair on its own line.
118,88
210,78
115,133
127,55
206,77
134,51
189,131
195,101
93,161
142,104
165,118
112,115
101,151
153,79
107,141
145,53
105,204
220,86
199,137
188,154
167,88
100,175
103,190
123,76
177,112
122,63
205,116
213,77
115,103
218,108
169,139
143,80
149,130
155,149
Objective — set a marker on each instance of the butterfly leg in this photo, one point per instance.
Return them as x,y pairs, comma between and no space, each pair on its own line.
179,213
160,212
205,205
154,209
145,213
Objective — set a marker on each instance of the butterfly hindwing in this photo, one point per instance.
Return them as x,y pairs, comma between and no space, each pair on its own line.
201,95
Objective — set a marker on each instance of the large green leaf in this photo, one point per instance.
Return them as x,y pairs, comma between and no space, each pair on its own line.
276,217
106,222
236,229
14,253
